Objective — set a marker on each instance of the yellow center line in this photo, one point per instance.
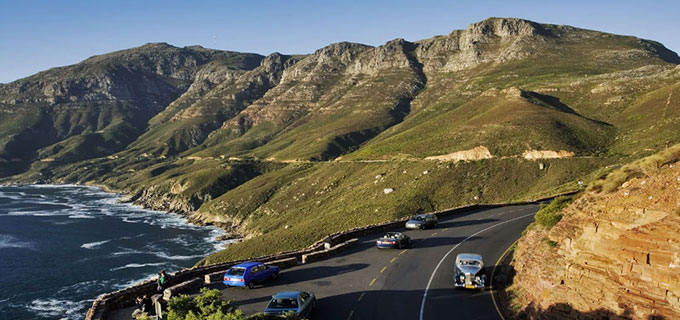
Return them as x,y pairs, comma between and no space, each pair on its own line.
351,313
395,258
402,252
361,296
445,229
372,282
383,269
493,299
434,234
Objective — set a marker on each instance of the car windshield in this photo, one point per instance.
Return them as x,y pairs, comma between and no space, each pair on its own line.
418,218
283,303
236,271
469,262
392,235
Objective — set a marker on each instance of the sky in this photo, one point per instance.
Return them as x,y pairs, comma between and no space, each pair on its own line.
38,35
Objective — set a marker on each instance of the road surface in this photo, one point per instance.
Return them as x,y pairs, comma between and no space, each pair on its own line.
414,283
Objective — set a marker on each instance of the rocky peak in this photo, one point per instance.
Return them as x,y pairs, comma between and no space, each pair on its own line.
340,48
126,75
341,52
507,27
398,45
333,58
277,62
394,54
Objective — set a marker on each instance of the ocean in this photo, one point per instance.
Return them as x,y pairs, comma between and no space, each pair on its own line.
62,246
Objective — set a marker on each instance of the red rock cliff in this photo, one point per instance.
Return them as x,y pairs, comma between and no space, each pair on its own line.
613,255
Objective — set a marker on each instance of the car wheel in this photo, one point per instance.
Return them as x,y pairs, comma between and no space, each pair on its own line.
311,308
251,285
275,275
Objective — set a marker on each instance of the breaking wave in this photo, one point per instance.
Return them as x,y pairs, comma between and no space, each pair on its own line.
93,245
64,309
138,265
7,241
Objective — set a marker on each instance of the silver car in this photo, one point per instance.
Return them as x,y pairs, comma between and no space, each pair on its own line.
422,221
469,271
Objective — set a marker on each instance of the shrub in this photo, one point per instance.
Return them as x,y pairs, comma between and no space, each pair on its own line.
208,305
637,169
549,215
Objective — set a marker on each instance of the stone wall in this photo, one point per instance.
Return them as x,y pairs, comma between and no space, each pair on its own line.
126,297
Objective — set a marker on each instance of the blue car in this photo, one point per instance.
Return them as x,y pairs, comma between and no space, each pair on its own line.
247,274
299,302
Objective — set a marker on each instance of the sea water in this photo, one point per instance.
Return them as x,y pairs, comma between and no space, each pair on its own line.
62,246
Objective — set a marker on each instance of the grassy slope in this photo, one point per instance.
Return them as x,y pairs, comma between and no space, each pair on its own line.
491,120
302,203
572,101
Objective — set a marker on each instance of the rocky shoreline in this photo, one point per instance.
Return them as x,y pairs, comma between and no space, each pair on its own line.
151,202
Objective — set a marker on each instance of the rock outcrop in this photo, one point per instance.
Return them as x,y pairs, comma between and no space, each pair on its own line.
477,153
612,255
546,154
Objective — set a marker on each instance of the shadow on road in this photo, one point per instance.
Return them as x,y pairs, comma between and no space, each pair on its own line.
405,304
455,224
438,242
314,273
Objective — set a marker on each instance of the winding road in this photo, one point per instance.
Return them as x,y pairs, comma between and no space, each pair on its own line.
414,283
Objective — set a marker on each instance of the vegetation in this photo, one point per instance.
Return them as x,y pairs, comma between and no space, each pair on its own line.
209,305
300,204
287,149
639,168
549,215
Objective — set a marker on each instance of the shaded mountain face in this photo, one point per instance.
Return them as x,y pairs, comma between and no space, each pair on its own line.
227,135
101,105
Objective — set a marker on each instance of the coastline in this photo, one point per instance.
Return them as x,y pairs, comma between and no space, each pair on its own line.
87,242
232,233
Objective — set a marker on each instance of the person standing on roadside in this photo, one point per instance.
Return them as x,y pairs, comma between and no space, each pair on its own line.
162,281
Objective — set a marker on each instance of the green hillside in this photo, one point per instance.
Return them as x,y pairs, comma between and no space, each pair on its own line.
291,148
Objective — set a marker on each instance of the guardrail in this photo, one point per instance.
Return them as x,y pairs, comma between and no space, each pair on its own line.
323,248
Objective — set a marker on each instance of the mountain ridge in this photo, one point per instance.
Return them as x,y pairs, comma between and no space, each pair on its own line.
224,136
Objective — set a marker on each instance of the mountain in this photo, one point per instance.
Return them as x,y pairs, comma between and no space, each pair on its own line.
293,147
101,105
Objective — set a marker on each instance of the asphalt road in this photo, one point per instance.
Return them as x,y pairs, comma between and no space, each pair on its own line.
413,283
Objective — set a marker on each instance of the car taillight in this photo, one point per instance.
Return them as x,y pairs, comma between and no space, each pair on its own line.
240,280
226,279
393,242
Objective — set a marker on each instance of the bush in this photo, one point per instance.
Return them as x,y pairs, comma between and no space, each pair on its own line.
210,306
549,215
637,169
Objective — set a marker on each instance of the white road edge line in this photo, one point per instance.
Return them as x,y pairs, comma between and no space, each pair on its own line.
429,283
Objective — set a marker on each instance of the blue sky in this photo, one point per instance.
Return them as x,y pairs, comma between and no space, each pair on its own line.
37,35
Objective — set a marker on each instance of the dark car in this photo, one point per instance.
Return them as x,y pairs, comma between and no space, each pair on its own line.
469,271
299,302
393,240
250,273
422,221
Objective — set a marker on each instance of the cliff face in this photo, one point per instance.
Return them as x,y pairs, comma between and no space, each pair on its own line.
612,255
